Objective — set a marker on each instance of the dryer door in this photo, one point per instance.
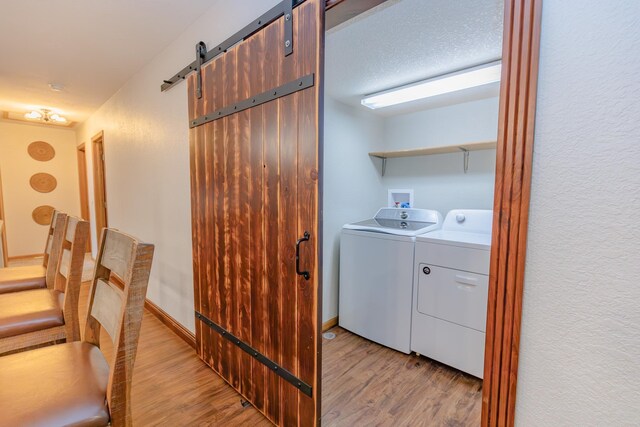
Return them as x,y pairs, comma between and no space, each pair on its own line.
453,295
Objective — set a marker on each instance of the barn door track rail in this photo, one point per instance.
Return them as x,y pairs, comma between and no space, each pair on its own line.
284,8
253,101
277,369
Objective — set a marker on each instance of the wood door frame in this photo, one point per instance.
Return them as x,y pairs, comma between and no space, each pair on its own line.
81,154
3,228
99,184
514,153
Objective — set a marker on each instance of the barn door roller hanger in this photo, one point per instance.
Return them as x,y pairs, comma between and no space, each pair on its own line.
282,9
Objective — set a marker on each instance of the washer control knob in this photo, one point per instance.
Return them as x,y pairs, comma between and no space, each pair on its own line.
404,215
460,217
403,225
426,270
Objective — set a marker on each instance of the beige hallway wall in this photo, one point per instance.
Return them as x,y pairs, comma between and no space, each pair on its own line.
146,141
24,236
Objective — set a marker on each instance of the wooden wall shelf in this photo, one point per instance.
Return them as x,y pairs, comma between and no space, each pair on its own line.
444,149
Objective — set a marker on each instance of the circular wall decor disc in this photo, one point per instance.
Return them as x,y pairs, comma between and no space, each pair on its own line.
41,151
42,214
43,182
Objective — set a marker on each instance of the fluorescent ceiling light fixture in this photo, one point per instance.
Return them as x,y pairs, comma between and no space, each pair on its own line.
464,79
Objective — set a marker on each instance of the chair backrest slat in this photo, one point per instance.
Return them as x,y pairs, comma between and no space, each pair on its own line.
65,263
69,272
71,230
107,307
116,303
117,256
54,246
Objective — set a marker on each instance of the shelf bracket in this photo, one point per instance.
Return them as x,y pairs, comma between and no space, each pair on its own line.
384,162
465,159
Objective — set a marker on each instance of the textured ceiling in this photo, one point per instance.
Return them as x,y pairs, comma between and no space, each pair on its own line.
91,46
404,41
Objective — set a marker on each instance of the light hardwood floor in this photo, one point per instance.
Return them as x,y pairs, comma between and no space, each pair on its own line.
172,387
364,384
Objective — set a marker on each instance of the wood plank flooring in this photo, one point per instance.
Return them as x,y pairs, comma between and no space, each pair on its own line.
364,384
173,387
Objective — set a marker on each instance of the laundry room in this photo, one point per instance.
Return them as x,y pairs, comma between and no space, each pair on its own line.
411,119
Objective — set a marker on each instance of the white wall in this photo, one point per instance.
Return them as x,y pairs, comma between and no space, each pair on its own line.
351,184
580,342
24,236
147,156
439,181
580,338
354,189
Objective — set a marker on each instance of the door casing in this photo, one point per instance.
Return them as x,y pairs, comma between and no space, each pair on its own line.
83,186
520,59
3,229
514,153
99,184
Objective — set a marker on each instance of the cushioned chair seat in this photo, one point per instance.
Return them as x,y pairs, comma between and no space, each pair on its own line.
28,311
64,384
15,279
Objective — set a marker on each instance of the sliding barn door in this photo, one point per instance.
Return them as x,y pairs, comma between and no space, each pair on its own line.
255,183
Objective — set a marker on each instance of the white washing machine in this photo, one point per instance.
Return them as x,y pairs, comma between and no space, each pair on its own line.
451,289
376,274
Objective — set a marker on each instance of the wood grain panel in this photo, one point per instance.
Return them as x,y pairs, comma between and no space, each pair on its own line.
271,64
259,289
220,189
309,156
242,232
231,218
288,206
511,207
247,213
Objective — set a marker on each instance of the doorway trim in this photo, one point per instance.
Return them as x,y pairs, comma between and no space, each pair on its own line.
514,155
3,229
81,154
514,158
99,185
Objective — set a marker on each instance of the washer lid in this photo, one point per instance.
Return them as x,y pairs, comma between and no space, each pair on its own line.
401,222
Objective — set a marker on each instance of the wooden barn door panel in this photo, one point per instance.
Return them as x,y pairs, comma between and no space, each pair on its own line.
255,191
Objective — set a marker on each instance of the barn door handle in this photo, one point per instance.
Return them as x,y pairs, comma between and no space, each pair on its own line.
305,238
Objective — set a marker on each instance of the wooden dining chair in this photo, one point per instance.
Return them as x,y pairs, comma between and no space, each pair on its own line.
41,316
74,383
15,279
